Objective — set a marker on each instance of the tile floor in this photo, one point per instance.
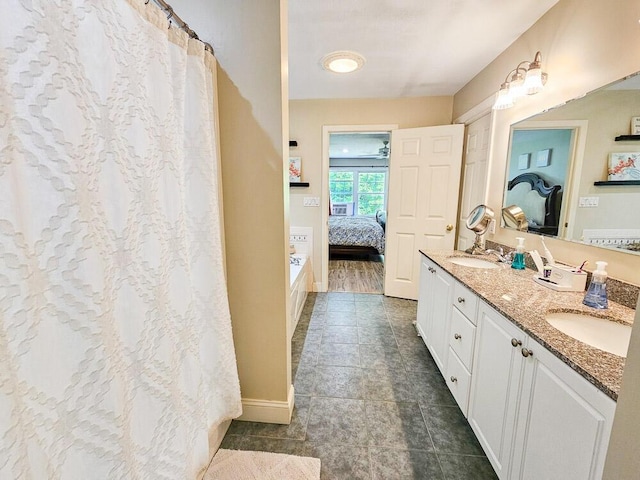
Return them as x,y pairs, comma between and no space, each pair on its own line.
370,401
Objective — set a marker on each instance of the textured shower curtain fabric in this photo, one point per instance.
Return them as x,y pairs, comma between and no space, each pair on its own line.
116,353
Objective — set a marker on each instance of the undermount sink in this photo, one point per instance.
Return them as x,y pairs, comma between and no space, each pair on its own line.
607,335
473,262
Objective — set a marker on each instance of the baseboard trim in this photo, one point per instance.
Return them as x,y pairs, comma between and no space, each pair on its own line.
267,411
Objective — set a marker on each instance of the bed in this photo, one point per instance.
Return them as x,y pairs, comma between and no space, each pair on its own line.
539,201
356,235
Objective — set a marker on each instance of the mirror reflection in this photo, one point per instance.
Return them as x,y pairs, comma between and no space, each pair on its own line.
559,169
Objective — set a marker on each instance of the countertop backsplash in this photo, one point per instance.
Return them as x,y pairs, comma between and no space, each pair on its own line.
618,291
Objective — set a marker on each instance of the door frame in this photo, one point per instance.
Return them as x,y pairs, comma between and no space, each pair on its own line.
324,187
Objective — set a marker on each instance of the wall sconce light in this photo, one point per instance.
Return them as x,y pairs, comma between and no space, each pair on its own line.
526,79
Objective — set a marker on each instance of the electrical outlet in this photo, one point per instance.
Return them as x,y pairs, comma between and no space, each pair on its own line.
311,201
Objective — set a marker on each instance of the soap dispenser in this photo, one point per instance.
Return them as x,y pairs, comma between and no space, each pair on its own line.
596,295
518,259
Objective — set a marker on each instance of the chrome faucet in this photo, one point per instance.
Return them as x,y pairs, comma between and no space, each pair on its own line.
500,254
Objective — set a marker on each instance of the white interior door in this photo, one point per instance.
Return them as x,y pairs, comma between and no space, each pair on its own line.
474,173
424,182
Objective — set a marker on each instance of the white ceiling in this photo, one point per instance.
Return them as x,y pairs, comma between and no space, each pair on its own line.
411,47
357,145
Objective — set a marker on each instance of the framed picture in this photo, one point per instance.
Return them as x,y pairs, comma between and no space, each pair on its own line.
543,158
635,125
295,169
624,166
523,161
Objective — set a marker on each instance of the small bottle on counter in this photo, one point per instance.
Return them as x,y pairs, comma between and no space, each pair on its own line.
596,295
518,258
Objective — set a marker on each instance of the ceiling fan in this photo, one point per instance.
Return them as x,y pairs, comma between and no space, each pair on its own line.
383,152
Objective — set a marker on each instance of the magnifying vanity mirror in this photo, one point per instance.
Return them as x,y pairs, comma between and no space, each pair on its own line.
478,221
559,164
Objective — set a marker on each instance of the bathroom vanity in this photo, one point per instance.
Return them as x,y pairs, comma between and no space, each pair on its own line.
540,402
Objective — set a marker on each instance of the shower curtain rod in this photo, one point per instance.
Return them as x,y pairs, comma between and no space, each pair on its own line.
172,16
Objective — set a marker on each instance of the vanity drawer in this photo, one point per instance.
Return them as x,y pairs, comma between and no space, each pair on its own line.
462,337
458,380
465,301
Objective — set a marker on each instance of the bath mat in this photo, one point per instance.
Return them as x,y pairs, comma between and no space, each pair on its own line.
244,465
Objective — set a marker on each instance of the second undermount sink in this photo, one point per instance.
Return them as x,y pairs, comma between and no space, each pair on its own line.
607,335
473,262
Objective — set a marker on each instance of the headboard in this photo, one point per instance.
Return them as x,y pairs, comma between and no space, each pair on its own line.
539,201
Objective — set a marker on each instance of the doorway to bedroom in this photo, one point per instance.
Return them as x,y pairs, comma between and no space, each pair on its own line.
358,181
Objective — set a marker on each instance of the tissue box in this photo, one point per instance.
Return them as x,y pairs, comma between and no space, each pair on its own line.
568,278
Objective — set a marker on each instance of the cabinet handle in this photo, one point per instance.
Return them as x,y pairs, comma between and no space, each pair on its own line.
453,379
526,352
457,336
515,342
460,299
449,227
432,270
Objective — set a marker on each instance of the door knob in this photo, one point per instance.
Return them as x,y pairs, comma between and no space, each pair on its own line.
449,227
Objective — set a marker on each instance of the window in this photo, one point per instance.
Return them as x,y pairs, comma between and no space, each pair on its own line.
366,188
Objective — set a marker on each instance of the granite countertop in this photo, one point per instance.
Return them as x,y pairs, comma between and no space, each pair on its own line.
515,295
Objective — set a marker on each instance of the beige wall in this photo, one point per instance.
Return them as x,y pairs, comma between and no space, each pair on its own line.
585,44
251,51
623,461
307,117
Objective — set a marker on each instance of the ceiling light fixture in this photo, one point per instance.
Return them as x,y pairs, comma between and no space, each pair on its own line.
342,62
526,79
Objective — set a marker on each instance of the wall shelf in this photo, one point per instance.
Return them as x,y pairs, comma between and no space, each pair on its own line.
298,184
609,183
628,138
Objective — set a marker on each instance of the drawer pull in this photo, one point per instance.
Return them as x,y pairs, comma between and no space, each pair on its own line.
453,379
526,352
515,342
457,336
460,299
432,270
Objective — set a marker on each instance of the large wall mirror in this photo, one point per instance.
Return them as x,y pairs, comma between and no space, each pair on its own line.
559,166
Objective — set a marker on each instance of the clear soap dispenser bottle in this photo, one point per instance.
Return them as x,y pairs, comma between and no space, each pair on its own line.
596,295
518,258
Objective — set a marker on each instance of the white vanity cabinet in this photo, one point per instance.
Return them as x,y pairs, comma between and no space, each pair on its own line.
564,422
494,389
461,344
534,416
434,310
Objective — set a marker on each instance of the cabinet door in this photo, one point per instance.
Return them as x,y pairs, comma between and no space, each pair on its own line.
564,422
438,335
425,297
497,364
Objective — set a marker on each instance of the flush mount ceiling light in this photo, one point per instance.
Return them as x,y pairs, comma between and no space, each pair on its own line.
526,79
342,62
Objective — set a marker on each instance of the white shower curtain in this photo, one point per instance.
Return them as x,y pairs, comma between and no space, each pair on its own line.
116,354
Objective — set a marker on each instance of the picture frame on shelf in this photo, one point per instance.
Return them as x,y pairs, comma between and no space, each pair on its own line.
295,169
523,161
543,158
635,125
624,166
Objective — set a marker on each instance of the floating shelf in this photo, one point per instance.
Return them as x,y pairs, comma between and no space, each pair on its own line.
609,183
628,138
298,184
